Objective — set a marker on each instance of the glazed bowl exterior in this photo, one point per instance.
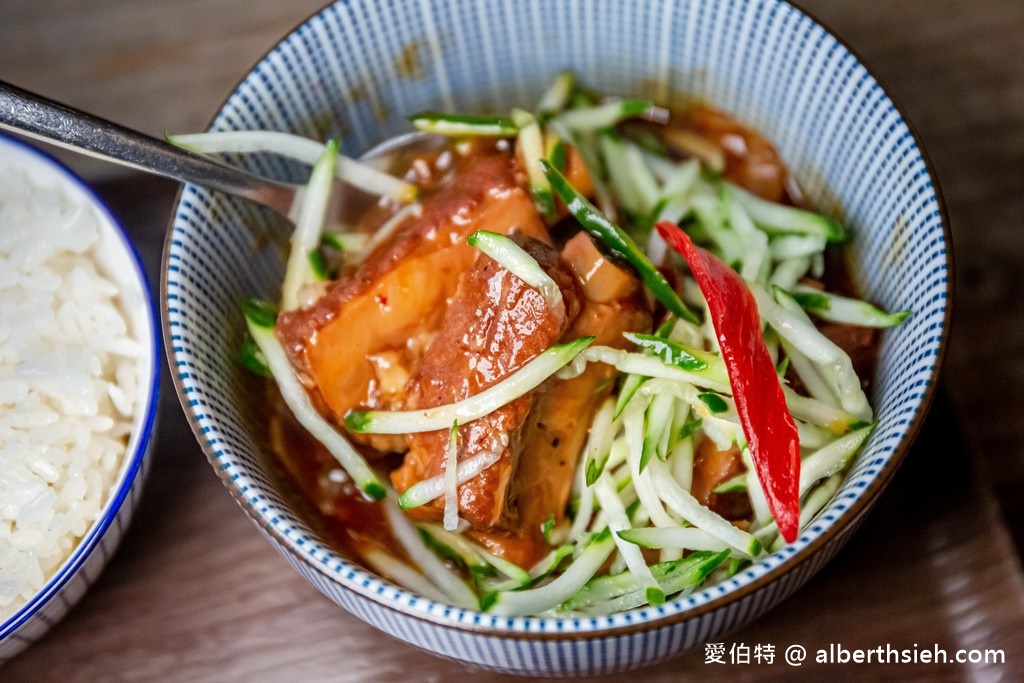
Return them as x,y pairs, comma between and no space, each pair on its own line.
121,264
356,69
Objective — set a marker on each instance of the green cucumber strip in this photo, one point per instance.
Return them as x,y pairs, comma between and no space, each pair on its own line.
550,595
815,384
556,97
734,485
819,414
309,226
475,557
818,497
318,265
687,538
519,383
657,426
546,527
712,215
618,520
554,152
407,535
629,386
454,547
618,242
538,572
633,438
736,565
840,309
783,367
795,246
689,428
251,358
599,442
714,402
619,176
712,378
594,469
789,272
599,117
449,479
405,576
814,503
674,574
344,242
422,492
531,144
298,401
787,219
550,562
464,125
633,511
517,261
832,458
362,176
811,299
632,382
687,507
670,352
259,313
683,179
651,144
833,363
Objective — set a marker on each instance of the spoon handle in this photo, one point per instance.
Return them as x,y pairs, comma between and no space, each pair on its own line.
37,117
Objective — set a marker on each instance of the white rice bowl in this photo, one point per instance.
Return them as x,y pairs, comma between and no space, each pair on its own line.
77,381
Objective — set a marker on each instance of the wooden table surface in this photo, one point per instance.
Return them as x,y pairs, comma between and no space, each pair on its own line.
196,594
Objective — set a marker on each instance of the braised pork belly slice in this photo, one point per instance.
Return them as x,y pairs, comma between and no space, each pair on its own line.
357,344
555,432
493,326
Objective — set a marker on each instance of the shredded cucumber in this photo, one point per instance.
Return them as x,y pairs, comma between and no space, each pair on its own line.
787,219
611,594
567,584
362,176
699,516
517,261
464,125
309,226
832,458
260,320
531,144
424,491
687,538
556,97
405,576
840,309
713,377
524,380
456,590
603,116
618,521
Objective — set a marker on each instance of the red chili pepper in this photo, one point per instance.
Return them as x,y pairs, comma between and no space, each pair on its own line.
767,423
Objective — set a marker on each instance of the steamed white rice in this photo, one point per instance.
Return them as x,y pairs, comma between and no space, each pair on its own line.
68,371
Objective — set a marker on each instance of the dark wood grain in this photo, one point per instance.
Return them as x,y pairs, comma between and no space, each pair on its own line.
196,594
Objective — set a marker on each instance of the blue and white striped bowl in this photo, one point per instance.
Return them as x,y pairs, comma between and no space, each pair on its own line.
78,572
358,67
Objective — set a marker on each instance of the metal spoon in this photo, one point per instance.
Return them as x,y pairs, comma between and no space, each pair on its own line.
42,119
